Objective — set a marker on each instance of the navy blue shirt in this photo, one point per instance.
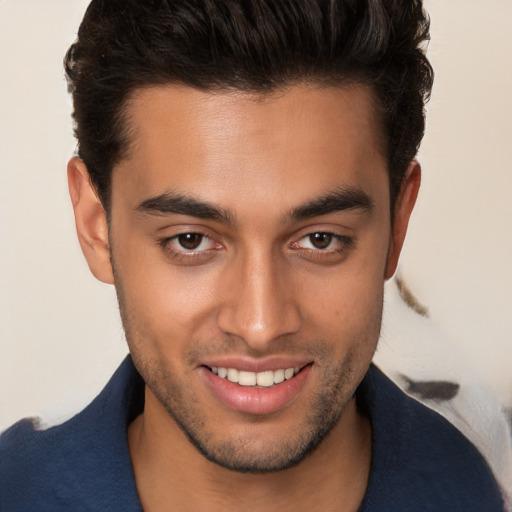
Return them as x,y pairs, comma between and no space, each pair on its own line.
420,463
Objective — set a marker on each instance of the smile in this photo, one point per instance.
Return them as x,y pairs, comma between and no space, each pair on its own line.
263,379
270,388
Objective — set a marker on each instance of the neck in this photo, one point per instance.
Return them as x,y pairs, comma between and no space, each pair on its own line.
171,474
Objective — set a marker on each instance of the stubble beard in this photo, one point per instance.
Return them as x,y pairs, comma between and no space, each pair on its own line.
238,454
337,387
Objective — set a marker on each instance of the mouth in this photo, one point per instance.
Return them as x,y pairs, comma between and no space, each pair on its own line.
256,392
264,379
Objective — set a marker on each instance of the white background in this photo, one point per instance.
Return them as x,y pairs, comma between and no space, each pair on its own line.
60,335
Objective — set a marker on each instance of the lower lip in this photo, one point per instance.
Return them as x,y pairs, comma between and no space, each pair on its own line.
254,400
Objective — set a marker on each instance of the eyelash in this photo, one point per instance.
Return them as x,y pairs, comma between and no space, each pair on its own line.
184,255
346,243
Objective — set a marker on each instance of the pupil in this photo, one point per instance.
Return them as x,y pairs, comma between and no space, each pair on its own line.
190,240
321,240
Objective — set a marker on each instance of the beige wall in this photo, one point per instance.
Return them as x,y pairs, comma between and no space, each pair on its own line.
60,337
458,257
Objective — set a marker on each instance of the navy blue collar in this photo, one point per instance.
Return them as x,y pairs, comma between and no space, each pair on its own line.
419,461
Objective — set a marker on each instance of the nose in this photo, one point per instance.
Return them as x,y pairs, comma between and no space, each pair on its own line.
259,304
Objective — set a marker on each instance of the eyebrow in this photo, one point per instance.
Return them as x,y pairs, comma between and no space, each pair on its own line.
340,199
178,204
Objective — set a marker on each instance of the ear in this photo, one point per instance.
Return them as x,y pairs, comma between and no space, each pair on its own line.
90,220
402,212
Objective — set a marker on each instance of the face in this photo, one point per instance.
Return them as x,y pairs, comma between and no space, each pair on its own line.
250,238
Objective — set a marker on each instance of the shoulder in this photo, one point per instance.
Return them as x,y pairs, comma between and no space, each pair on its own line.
420,461
35,465
82,464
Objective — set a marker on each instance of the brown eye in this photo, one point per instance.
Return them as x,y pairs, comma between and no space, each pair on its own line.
190,241
189,248
320,240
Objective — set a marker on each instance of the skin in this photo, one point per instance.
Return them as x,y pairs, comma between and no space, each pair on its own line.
251,286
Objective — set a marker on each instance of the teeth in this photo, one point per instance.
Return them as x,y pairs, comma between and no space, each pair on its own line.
289,373
233,374
262,379
247,379
265,379
278,376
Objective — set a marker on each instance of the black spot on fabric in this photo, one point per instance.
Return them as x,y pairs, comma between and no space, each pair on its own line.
439,390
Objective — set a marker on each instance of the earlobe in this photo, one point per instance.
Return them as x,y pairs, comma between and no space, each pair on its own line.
90,220
402,213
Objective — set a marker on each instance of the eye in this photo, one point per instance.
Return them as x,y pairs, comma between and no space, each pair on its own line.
319,240
189,244
323,247
322,241
190,241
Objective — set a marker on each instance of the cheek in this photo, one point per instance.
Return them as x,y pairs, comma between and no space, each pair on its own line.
348,309
171,302
346,305
162,302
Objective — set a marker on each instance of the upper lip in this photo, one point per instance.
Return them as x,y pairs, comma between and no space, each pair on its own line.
256,365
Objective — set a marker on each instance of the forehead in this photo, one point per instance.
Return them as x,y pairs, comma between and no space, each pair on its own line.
290,144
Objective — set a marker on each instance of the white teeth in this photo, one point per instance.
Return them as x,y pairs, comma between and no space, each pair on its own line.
247,379
233,375
263,379
278,376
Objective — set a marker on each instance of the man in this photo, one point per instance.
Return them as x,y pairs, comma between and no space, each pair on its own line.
245,178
